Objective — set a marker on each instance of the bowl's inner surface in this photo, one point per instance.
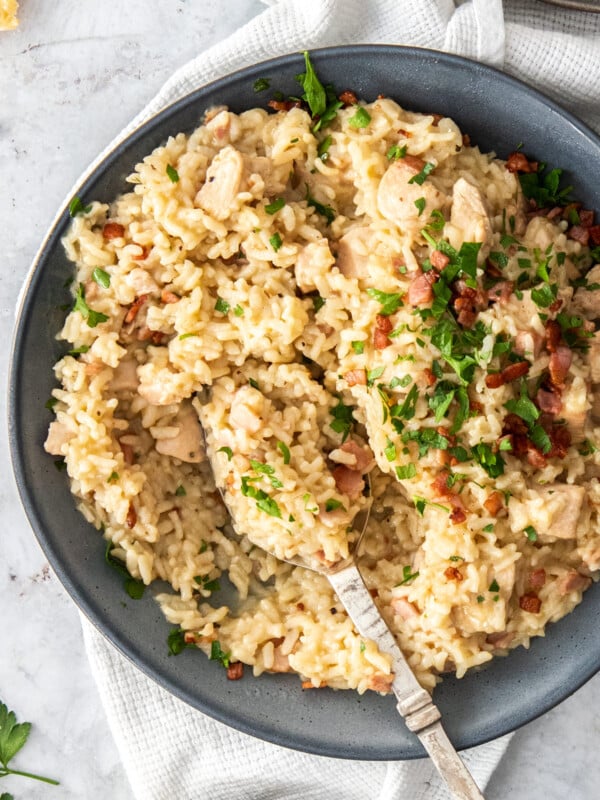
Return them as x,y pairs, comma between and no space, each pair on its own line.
498,114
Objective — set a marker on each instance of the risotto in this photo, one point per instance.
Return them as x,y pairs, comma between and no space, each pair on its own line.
287,302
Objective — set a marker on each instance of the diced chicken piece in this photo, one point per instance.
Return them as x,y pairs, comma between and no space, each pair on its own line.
353,253
246,409
125,378
554,511
188,445
223,125
404,608
142,282
274,179
312,260
572,582
58,436
280,661
396,197
470,213
223,182
587,300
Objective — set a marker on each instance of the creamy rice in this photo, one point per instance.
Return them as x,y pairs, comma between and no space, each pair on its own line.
311,300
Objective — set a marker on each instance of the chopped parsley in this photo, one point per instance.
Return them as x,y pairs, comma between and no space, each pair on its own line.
285,452
420,178
407,576
320,208
420,204
260,84
238,311
489,528
275,241
406,472
133,586
222,306
342,419
358,347
395,152
268,471
332,504
493,587
77,207
101,277
390,302
314,91
492,462
360,119
172,173
180,491
531,533
390,450
207,584
323,148
217,654
263,501
426,439
421,502
228,452
318,302
373,374
176,642
544,295
544,187
275,206
92,317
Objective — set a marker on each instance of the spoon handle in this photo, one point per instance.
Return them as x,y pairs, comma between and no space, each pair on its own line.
422,717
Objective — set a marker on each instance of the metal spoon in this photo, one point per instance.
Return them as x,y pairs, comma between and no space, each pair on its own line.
414,704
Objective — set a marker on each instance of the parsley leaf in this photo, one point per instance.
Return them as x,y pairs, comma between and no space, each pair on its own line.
420,178
407,576
275,241
263,501
77,207
92,317
361,119
134,587
325,211
172,173
101,277
260,84
406,471
342,419
492,462
314,91
396,152
176,642
275,206
544,188
13,736
390,302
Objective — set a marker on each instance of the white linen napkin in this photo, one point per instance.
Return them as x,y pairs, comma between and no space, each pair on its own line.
171,751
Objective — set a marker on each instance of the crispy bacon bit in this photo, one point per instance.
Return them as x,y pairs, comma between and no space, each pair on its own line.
157,338
514,371
169,297
429,377
311,685
530,602
549,402
300,606
134,308
440,484
383,326
374,592
381,683
113,230
128,454
579,234
537,578
143,255
439,260
586,217
284,105
348,481
514,424
518,162
494,503
501,292
457,515
560,363
560,438
468,302
553,335
595,234
453,574
235,671
348,98
466,140
131,518
535,457
436,119
420,291
414,162
356,377
494,380
475,407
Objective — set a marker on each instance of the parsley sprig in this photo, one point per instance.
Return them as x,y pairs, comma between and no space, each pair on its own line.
13,736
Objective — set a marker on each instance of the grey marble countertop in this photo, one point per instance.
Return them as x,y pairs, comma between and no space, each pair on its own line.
71,77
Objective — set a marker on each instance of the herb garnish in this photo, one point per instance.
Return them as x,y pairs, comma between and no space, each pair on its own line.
390,302
420,178
228,452
531,533
263,501
405,472
332,504
176,642
216,654
172,173
314,91
101,277
222,306
275,241
92,317
544,189
342,419
407,576
275,206
133,586
285,452
396,152
207,584
320,208
361,119
260,84
77,207
13,736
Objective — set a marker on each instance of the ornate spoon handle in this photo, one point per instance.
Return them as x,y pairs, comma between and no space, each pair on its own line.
422,717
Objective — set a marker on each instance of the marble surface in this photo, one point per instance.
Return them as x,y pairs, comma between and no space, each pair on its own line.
70,78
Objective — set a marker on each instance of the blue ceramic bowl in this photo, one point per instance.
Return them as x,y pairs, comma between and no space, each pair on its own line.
497,112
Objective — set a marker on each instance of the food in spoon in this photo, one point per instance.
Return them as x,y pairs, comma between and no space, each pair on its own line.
360,291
